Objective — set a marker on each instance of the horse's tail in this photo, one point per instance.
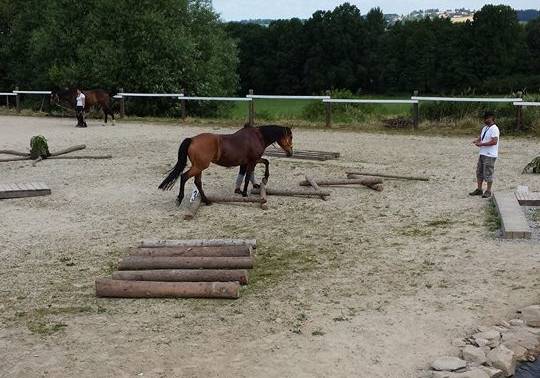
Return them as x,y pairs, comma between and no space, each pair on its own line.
171,179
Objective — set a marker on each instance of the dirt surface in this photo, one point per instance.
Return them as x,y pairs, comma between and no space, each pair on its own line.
367,284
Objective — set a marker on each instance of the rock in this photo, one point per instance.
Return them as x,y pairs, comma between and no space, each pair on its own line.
503,323
502,358
492,336
448,364
482,342
517,322
473,373
473,354
522,337
531,315
459,343
520,353
500,329
493,372
486,349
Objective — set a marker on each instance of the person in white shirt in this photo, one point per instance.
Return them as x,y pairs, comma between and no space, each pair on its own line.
81,102
489,152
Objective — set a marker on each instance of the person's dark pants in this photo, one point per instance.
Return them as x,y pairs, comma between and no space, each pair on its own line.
80,117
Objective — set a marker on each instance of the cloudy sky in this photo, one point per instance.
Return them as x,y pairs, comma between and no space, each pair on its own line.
231,10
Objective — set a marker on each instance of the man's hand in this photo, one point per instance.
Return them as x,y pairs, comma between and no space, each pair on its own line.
477,143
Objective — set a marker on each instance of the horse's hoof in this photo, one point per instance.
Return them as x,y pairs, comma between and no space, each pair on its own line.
237,191
244,194
208,203
265,180
178,202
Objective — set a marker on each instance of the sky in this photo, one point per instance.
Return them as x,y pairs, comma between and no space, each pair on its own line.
234,10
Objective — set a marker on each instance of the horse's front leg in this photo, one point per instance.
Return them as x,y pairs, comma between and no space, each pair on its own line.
266,169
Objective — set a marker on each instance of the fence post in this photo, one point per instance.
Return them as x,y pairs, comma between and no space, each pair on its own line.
183,105
122,105
416,112
251,110
328,111
7,102
18,101
519,117
519,114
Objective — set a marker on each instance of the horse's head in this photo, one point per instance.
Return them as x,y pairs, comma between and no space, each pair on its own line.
286,141
280,135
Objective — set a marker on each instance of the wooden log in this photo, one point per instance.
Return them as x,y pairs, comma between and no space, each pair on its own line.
149,263
315,186
364,181
198,243
183,275
355,175
108,288
233,199
81,157
69,150
14,159
16,153
224,251
193,207
376,187
293,193
264,200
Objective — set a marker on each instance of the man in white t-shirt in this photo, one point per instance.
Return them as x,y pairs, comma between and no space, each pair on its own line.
81,103
489,151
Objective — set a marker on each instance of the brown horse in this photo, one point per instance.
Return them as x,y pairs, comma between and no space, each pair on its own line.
95,97
243,148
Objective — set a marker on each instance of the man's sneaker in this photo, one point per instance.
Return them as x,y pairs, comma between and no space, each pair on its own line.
486,194
477,192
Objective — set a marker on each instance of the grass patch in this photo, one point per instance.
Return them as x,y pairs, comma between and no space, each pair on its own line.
492,219
41,321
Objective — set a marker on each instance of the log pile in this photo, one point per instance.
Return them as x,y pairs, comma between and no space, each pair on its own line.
181,269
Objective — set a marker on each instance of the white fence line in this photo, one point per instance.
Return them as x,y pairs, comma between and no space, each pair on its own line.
8,94
191,98
33,92
523,103
149,95
466,99
369,101
279,97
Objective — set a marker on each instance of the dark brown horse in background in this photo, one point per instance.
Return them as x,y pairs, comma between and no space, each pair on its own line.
243,148
95,97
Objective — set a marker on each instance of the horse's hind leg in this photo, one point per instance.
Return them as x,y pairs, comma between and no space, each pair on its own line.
183,179
198,184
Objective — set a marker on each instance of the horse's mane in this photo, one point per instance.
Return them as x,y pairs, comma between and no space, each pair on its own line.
272,133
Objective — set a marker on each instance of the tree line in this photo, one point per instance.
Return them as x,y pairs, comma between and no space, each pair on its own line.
342,49
167,45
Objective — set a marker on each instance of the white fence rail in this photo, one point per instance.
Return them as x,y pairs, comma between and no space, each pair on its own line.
368,101
286,97
524,103
466,99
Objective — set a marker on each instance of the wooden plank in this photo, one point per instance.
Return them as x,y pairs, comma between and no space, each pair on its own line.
528,198
23,190
149,243
513,221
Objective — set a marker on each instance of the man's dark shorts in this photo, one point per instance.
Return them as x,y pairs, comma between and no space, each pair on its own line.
485,169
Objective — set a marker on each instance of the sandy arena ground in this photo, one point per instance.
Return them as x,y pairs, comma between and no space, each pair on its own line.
365,285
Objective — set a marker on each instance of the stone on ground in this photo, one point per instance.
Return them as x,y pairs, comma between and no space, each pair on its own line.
503,358
492,336
493,372
448,364
474,355
531,315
